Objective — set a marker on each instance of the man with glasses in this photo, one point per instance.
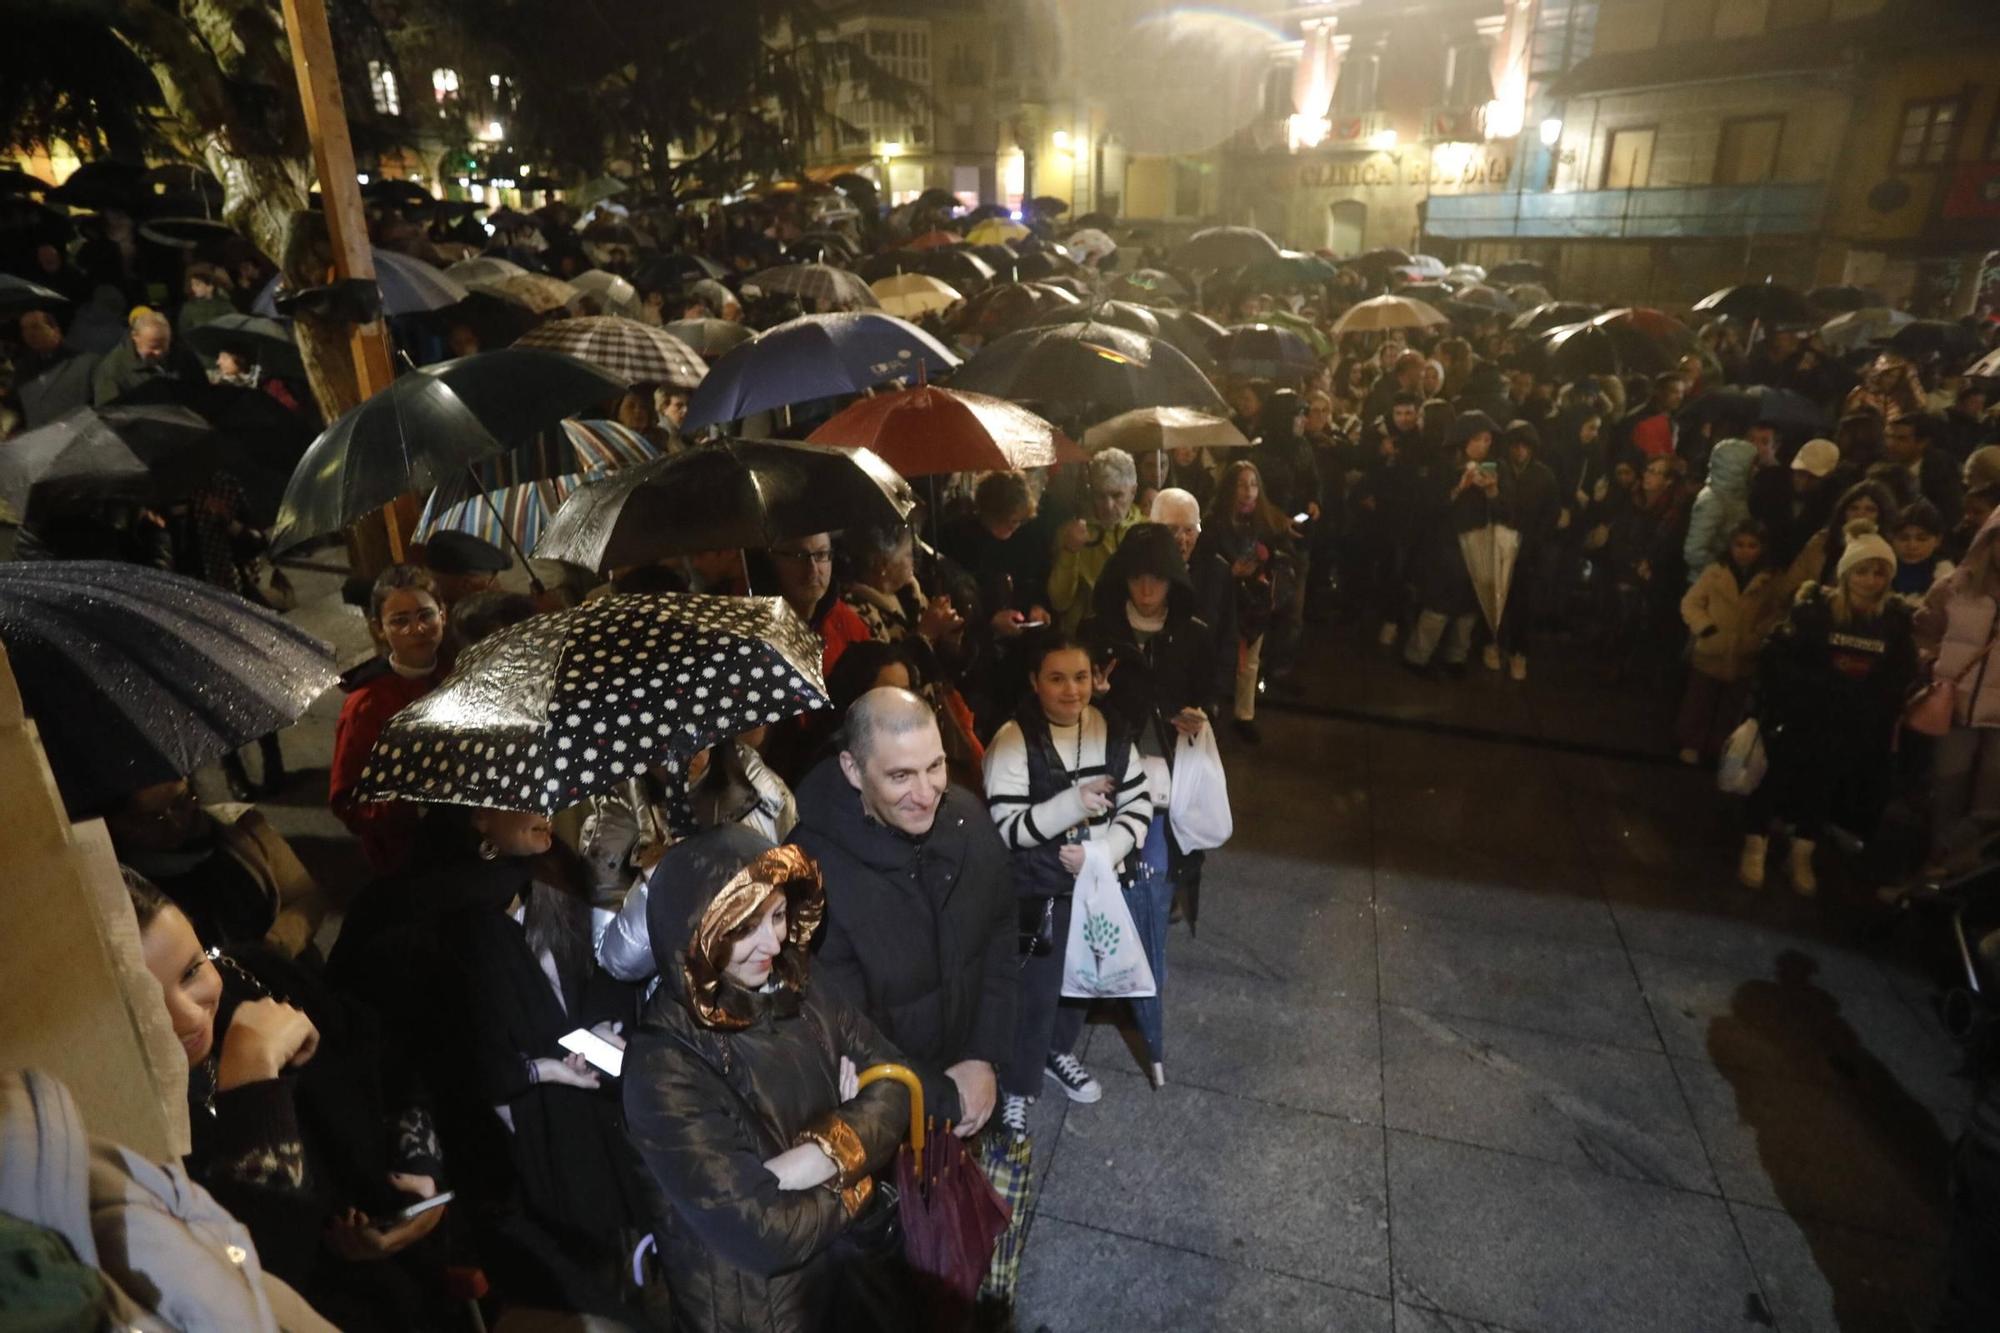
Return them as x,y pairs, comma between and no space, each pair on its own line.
803,567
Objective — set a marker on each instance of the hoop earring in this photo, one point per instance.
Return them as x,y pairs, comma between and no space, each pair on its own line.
487,851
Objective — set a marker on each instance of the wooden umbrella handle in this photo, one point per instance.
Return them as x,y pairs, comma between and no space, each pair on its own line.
911,1084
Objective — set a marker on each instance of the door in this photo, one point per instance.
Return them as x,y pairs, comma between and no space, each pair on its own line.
1346,222
1628,160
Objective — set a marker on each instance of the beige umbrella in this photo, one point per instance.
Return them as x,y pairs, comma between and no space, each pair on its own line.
1389,312
909,295
537,291
483,268
1146,430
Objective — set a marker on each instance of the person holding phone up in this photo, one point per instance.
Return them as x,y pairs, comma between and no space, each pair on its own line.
1469,494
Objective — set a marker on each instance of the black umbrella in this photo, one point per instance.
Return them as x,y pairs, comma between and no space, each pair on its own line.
13,181
1377,263
1085,373
135,676
887,264
1265,351
1512,270
1845,297
265,438
1575,350
404,195
1225,247
1148,285
984,211
961,268
1766,405
998,255
1554,314
1048,206
269,342
106,183
711,337
1936,337
559,707
18,295
142,455
1119,314
1764,302
429,425
729,495
186,233
668,272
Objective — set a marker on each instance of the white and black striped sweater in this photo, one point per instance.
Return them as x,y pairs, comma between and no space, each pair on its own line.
1024,824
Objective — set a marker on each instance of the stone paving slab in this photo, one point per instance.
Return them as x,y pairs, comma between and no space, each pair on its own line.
1823,1278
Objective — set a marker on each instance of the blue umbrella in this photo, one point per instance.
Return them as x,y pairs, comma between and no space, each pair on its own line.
1265,352
409,287
815,356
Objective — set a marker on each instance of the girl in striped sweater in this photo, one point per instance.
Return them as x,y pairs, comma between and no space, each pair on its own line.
1057,776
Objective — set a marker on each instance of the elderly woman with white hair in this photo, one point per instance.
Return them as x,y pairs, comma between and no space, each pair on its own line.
1085,544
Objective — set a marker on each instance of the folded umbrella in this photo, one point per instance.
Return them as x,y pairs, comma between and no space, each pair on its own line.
1388,312
822,284
1146,430
710,338
1490,554
925,431
1085,373
723,496
1225,247
563,706
426,427
815,356
143,455
908,295
135,676
409,287
632,352
1265,351
507,501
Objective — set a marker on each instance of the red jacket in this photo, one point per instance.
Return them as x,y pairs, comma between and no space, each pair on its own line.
385,827
841,626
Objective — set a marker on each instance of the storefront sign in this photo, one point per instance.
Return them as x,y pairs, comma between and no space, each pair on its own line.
1437,171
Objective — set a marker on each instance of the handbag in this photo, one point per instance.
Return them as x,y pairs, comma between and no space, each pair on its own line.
1932,707
1038,926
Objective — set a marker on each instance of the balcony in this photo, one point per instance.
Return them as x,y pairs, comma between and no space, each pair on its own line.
1692,211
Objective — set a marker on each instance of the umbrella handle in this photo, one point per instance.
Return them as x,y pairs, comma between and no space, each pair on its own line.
506,535
911,1084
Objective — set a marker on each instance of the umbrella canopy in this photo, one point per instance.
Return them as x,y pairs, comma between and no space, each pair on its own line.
536,292
1529,294
597,189
151,455
1119,314
1090,244
1493,299
1554,314
1765,302
996,231
135,676
1146,430
18,295
1518,270
934,240
1846,297
1986,367
728,495
666,272
507,501
1287,269
560,707
632,352
1265,351
909,295
483,268
269,342
815,356
611,294
1857,328
1225,247
1388,312
1672,335
1490,555
1305,328
1592,348
961,268
820,283
711,337
999,310
1088,372
409,287
1935,337
1767,406
1147,285
925,431
426,427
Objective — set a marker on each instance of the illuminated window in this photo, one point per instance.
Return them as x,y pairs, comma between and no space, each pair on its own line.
382,89
1930,129
444,82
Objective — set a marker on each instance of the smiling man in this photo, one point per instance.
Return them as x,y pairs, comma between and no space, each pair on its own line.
920,918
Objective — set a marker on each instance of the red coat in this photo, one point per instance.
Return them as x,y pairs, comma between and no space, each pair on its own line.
385,828
841,626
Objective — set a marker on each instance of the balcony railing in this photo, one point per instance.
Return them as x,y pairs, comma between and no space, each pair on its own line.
1691,211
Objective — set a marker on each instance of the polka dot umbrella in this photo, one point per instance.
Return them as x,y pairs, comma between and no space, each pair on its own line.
567,705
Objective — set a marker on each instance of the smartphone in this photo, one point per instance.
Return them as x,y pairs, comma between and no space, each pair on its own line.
417,1209
1301,518
595,1049
1033,624
1490,469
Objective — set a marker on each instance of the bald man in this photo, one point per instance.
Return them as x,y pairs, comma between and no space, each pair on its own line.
921,923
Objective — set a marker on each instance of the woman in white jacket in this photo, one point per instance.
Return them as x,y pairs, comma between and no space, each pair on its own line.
1057,776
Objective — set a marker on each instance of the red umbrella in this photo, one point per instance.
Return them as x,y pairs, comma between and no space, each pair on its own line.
934,240
927,430
1658,325
952,1218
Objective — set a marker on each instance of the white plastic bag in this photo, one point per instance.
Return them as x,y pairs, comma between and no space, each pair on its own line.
1104,957
1198,806
1743,760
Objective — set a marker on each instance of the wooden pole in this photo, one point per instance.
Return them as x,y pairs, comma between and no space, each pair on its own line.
346,224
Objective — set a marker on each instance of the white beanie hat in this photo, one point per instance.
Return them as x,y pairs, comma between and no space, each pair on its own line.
1863,544
1817,457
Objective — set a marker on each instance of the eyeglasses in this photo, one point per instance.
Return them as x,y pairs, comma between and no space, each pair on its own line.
816,557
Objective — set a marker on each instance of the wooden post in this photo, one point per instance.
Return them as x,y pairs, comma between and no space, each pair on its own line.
346,224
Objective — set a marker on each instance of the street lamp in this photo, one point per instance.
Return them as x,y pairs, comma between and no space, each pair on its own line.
1060,139
1552,131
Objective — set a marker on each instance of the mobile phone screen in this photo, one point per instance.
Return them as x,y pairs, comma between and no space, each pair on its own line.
417,1209
595,1049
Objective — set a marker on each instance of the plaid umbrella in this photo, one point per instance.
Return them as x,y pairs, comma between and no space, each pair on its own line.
516,494
562,706
634,352
1009,1164
822,283
533,291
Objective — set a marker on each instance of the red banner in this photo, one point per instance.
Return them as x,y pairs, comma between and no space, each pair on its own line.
1975,192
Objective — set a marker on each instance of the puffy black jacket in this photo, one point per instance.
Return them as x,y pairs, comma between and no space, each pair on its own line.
1173,670
921,934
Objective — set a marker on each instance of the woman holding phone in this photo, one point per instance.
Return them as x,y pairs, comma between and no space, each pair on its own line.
1468,494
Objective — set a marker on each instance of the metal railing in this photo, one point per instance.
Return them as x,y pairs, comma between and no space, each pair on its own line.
1691,211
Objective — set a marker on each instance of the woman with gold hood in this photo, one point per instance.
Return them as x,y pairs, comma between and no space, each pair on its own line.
740,1089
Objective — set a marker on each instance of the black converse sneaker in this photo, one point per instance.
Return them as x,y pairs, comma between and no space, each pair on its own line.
1014,1115
1073,1078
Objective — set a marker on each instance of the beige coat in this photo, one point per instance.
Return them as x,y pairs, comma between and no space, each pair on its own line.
298,907
1741,617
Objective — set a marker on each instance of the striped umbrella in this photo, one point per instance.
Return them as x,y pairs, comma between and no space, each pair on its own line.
831,288
409,287
634,352
521,487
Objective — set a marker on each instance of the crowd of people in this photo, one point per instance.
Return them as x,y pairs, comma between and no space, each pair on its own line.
1017,678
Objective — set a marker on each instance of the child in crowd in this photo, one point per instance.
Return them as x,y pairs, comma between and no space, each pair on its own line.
1728,611
1980,502
1918,538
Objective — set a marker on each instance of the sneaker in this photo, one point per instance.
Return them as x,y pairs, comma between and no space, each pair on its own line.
1387,638
1517,666
1014,1115
1490,655
1073,1078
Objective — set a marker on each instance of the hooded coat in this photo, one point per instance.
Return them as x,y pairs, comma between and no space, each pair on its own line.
950,998
1171,670
718,1080
1960,624
1446,585
1722,504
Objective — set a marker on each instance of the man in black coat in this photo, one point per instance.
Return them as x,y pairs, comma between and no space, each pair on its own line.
921,924
1214,587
